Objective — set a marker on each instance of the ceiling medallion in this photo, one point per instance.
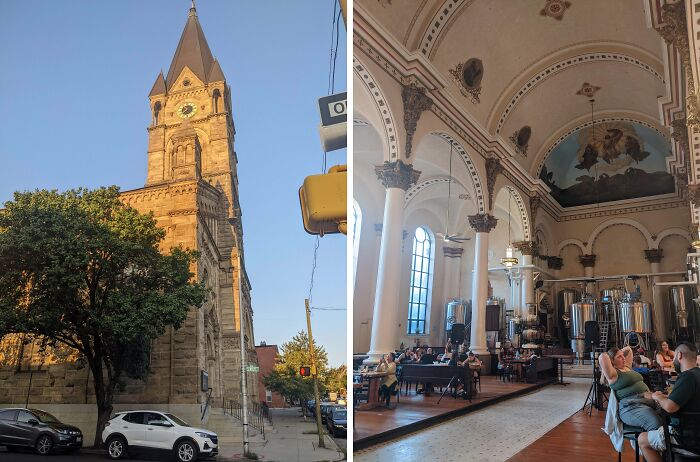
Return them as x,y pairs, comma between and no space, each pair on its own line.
521,139
468,76
588,90
555,9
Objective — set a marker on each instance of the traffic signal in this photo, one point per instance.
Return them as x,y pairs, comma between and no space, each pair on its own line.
305,371
323,200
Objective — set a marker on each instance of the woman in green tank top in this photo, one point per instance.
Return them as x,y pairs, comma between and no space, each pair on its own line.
636,408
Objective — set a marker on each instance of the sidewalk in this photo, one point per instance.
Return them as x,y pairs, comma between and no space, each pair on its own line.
288,442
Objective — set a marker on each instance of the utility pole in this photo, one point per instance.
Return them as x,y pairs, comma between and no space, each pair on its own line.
314,373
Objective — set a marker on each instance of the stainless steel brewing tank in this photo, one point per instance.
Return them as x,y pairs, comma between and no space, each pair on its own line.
635,316
684,311
455,313
582,311
567,297
612,294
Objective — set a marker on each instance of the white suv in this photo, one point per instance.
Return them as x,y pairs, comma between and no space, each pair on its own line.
153,430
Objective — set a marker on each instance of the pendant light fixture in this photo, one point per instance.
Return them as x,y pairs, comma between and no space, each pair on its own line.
509,260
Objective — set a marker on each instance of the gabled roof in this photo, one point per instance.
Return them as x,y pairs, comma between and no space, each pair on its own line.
192,51
158,86
215,73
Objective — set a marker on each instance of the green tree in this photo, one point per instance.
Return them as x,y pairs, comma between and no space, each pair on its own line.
84,270
285,378
336,380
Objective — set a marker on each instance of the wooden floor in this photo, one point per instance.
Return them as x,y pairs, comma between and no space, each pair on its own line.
578,438
416,411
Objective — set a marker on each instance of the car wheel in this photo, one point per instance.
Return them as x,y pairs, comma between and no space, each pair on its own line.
44,445
186,451
116,448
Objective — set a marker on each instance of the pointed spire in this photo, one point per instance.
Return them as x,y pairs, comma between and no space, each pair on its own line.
158,86
215,73
192,51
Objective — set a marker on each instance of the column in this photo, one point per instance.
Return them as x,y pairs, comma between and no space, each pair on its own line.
588,262
654,257
528,249
396,177
555,264
451,266
482,223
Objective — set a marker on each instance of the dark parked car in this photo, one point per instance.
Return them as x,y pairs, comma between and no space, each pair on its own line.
337,421
37,429
326,408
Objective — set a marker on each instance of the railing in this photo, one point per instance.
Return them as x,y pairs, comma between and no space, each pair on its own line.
262,409
207,403
256,419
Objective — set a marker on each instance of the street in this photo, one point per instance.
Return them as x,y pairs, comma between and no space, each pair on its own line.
87,455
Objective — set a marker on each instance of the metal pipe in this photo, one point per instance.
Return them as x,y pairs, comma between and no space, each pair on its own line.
614,277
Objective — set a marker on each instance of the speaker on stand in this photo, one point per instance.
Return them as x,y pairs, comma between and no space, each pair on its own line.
592,339
457,336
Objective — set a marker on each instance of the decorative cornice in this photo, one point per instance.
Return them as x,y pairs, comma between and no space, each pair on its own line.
555,263
654,255
415,102
493,168
693,192
588,261
526,247
452,252
482,222
397,175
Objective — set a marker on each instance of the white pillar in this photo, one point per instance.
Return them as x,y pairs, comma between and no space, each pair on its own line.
660,325
482,224
528,249
397,177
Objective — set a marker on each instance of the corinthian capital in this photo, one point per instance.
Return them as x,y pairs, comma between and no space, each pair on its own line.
415,101
526,247
588,261
397,175
654,255
482,222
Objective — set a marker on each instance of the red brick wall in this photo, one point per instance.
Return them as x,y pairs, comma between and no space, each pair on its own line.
266,362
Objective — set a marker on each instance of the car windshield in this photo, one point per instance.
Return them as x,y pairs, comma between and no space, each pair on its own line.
45,416
181,423
340,415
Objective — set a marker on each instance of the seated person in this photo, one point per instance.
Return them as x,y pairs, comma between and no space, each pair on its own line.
638,366
664,357
684,397
406,356
447,356
462,352
473,363
646,362
427,358
388,385
636,408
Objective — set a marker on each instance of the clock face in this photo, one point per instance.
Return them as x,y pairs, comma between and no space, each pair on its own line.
186,110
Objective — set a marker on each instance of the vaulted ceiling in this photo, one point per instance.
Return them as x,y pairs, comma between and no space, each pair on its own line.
540,62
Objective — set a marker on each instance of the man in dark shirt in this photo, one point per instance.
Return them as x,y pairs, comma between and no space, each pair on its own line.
427,358
684,397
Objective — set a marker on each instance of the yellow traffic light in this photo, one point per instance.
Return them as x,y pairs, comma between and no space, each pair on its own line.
323,201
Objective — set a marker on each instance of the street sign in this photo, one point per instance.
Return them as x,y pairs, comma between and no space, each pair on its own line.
334,118
252,368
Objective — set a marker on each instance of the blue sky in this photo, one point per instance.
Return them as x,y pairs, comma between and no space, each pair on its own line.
74,90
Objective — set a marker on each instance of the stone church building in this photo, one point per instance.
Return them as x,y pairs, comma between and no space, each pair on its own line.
192,189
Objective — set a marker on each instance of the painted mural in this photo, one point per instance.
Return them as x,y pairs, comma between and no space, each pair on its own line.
612,162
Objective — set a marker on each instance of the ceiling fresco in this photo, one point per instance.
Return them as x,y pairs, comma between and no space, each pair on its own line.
609,162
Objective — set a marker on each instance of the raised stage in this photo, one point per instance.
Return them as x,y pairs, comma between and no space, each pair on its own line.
416,411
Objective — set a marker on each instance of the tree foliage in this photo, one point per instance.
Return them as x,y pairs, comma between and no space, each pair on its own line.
285,378
82,269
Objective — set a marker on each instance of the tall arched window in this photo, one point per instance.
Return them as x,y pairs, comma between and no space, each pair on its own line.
356,227
421,281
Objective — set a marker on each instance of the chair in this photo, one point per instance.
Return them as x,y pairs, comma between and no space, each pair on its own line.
631,433
477,378
686,436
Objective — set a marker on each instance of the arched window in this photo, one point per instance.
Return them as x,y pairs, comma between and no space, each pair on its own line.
156,111
215,97
421,282
356,227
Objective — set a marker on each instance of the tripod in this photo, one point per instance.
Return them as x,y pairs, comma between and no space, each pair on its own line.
593,392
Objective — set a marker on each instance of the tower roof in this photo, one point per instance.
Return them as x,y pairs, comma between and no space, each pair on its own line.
192,51
158,86
215,73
